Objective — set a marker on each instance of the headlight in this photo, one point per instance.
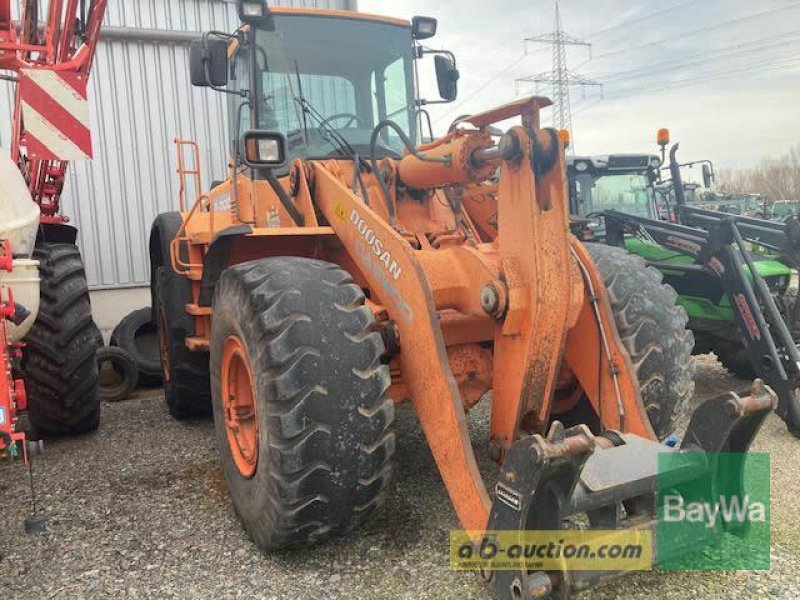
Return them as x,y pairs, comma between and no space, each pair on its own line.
581,166
655,162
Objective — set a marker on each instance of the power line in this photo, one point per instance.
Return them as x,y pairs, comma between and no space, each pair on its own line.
514,62
785,63
703,58
560,77
628,22
481,88
694,32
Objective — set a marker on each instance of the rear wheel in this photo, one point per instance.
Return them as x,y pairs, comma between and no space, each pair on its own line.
59,361
303,422
185,372
652,328
734,357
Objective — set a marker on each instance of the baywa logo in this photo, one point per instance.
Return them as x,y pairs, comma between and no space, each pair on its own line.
733,510
713,511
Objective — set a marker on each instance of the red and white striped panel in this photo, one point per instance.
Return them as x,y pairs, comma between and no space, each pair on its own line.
55,115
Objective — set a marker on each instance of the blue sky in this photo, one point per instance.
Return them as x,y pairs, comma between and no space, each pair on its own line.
723,75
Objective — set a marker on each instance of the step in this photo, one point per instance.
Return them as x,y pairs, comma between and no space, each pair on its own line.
198,311
198,344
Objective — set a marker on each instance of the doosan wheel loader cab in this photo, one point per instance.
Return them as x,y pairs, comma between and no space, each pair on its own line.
342,267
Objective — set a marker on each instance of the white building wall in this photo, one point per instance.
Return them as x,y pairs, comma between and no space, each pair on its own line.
141,100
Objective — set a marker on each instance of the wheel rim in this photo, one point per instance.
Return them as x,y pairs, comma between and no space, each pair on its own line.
239,406
163,344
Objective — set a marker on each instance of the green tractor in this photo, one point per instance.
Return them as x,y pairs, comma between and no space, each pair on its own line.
733,274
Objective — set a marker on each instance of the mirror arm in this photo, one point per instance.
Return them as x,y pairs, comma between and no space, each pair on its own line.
423,102
423,51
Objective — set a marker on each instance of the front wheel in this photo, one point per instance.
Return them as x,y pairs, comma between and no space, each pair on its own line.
303,422
652,328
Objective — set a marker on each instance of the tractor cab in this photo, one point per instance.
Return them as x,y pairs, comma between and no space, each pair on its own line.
620,182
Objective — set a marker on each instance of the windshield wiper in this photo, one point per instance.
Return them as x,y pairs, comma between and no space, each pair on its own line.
327,131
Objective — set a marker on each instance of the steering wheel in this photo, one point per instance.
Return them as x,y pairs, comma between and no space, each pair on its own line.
351,118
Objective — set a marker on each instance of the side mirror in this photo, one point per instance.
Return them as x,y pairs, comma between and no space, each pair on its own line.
264,149
447,76
208,62
708,176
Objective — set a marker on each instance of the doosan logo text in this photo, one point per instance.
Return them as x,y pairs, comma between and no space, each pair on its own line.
377,246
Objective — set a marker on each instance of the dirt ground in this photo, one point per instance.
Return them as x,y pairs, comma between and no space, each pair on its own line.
140,510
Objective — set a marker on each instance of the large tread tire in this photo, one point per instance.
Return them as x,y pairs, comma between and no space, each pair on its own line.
59,362
187,389
652,328
326,439
137,334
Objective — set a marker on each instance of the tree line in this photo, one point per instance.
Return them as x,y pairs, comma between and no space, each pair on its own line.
773,178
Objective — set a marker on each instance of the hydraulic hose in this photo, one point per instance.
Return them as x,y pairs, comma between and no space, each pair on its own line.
373,161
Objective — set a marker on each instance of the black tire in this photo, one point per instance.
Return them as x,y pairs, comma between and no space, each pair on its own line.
59,362
652,328
734,357
137,334
787,306
125,367
733,354
326,439
187,389
165,228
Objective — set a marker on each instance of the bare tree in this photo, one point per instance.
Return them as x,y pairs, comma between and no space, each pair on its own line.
774,178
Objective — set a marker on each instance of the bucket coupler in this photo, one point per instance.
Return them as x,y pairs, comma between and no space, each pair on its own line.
613,478
720,252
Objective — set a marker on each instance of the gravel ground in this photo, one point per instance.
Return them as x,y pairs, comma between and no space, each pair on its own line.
140,510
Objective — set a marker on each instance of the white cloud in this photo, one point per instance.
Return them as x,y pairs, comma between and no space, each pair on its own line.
732,117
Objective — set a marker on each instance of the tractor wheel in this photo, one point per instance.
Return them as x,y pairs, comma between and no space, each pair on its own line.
59,361
185,372
733,354
138,336
303,422
652,329
734,357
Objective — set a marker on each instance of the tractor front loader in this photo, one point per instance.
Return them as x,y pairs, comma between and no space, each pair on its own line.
338,271
740,303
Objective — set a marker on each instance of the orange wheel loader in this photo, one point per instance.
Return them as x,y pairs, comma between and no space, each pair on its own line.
342,268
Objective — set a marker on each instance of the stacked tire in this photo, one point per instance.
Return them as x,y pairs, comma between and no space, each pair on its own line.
137,335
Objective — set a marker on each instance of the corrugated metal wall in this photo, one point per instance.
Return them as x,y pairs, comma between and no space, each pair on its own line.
141,100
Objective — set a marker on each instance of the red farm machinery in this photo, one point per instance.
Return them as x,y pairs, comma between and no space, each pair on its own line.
46,53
